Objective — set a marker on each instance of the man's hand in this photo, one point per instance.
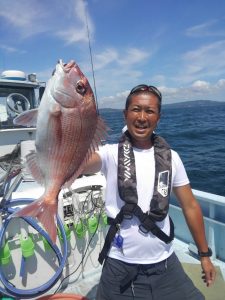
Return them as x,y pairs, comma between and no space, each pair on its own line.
208,271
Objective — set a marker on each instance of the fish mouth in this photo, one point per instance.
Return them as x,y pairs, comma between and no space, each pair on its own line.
67,67
81,84
68,80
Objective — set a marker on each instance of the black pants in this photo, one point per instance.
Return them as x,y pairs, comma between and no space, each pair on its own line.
161,281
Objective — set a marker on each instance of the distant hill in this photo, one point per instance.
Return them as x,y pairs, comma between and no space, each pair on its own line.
194,103
185,104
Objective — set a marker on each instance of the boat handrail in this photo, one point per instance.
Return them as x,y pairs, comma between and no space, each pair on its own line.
208,197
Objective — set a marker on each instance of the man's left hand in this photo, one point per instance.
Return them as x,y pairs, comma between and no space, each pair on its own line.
208,271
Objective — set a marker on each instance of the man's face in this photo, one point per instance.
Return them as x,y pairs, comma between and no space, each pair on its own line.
141,117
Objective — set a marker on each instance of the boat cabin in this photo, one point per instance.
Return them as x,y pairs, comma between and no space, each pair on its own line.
18,93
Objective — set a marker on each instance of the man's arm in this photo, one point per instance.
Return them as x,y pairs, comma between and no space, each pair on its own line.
93,165
194,218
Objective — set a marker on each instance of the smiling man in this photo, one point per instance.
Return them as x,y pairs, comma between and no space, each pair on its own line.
141,171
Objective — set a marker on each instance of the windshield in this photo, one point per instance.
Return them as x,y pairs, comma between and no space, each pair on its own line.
13,101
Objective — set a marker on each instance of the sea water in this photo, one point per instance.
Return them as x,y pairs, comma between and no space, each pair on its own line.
197,133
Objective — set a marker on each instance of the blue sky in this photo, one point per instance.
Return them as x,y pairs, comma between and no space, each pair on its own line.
179,46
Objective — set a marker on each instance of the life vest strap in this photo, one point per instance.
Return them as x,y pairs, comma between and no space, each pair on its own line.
110,235
147,225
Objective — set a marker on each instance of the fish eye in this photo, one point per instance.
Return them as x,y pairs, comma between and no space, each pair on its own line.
80,88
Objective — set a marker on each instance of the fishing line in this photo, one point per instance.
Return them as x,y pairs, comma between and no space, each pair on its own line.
90,240
83,257
91,56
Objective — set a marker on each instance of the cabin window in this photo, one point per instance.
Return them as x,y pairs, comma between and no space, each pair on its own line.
6,114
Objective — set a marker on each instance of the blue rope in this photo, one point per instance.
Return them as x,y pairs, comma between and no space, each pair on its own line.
11,290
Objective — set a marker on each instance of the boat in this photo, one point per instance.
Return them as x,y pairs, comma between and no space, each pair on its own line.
31,267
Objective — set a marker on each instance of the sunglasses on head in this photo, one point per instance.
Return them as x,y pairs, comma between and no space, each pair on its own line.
144,87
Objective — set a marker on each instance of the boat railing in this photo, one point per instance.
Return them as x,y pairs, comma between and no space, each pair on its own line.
213,208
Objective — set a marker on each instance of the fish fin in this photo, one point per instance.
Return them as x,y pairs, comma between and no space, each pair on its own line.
27,118
32,164
100,134
45,213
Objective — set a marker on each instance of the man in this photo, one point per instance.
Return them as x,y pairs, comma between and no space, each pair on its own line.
140,171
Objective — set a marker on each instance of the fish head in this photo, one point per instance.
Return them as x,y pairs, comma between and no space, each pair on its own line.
69,86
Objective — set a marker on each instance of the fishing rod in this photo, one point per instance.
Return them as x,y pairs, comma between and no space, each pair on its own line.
91,56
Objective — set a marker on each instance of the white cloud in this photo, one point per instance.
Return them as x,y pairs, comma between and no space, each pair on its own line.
73,35
168,91
201,85
10,49
125,59
81,24
117,101
133,56
44,75
66,20
199,90
115,70
208,28
220,83
10,9
159,79
106,57
204,63
114,80
25,16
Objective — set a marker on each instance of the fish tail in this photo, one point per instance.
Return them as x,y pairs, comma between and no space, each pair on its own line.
45,213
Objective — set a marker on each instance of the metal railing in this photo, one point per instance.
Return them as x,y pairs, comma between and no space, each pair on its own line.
213,207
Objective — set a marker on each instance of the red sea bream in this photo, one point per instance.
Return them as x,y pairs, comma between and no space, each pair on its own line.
68,131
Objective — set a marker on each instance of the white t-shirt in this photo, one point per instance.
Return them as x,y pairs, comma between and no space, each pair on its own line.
138,248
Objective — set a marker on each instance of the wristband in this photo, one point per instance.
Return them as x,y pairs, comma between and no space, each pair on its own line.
205,254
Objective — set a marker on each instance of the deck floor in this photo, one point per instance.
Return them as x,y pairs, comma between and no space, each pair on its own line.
191,265
193,269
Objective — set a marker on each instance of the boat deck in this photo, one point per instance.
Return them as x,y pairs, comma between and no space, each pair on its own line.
193,269
87,284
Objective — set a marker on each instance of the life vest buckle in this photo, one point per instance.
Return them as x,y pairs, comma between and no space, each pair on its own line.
143,229
128,216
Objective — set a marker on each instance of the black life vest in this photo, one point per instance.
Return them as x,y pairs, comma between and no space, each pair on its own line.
159,204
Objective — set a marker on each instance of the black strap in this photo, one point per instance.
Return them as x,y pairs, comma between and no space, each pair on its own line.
147,222
127,182
147,225
110,236
150,226
159,205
